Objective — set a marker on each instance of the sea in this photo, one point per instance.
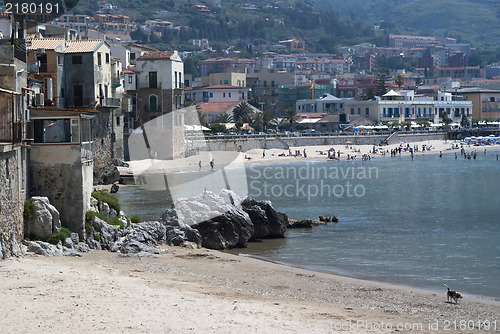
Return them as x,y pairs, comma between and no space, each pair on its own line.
420,222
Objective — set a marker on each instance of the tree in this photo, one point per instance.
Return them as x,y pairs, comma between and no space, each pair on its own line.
217,127
290,116
224,118
400,80
381,81
242,113
258,121
268,119
465,121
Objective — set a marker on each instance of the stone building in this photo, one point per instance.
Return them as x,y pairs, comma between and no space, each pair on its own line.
14,96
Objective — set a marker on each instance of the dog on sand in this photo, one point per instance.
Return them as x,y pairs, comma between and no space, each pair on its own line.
452,295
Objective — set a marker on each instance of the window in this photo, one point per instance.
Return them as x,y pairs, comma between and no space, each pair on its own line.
223,94
52,131
118,121
130,79
211,94
76,60
153,104
229,94
99,60
132,55
359,111
153,81
352,111
107,58
60,60
367,111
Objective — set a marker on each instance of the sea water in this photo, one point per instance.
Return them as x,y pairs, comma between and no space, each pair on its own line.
423,222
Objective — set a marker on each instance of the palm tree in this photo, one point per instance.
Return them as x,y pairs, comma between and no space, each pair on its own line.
224,118
258,120
268,119
291,116
242,113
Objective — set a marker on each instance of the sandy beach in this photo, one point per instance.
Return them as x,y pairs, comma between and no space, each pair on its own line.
259,156
204,291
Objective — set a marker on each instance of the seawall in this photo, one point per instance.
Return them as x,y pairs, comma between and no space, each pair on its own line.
244,143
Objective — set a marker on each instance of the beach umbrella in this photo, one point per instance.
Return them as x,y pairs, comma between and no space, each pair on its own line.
356,129
348,142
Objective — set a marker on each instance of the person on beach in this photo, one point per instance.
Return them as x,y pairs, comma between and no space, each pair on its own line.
212,163
199,165
263,154
305,155
440,154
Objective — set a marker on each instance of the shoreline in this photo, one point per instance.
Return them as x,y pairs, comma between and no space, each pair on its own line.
471,296
237,159
210,291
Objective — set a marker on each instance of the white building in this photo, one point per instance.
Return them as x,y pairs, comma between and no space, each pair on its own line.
404,105
217,93
325,104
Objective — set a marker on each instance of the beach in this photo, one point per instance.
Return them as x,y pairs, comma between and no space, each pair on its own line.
205,291
269,156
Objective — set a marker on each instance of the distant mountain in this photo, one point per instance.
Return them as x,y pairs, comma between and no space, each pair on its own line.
472,21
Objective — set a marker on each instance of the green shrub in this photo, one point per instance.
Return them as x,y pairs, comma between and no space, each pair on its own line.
135,219
116,221
29,209
97,236
91,215
104,196
62,235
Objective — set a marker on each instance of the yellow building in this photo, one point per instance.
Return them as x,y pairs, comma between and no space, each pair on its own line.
485,102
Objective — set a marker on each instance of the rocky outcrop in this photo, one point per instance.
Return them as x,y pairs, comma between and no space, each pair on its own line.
231,229
44,220
268,223
303,223
70,247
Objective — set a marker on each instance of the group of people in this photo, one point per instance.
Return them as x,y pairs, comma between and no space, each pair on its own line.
212,163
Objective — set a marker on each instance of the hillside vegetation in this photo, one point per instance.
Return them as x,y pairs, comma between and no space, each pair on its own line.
472,21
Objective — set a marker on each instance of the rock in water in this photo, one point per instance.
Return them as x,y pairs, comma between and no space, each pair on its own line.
267,222
229,230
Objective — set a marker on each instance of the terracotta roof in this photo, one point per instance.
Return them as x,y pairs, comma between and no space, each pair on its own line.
128,71
44,43
82,46
216,107
156,55
142,47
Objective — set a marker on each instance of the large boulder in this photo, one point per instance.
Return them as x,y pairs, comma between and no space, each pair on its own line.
44,221
267,222
228,230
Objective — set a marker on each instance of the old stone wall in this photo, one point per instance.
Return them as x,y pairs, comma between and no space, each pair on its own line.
67,184
11,204
104,170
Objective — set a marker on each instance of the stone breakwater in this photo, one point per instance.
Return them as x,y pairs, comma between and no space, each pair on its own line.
216,221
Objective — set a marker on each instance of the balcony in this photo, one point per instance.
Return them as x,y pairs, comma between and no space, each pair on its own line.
16,49
111,102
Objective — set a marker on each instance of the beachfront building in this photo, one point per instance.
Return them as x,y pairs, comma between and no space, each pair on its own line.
485,102
406,106
158,78
62,157
159,84
14,98
325,104
288,95
217,93
265,83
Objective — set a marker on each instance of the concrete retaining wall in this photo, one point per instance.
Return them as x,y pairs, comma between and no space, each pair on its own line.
245,144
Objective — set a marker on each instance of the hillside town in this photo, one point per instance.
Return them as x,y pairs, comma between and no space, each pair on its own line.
72,91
